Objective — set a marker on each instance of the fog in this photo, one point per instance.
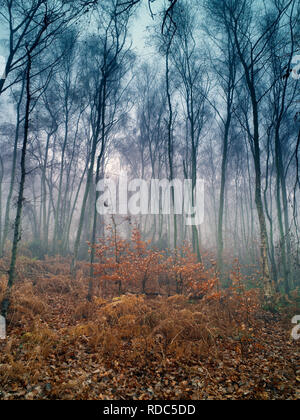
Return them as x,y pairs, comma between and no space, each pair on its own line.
200,90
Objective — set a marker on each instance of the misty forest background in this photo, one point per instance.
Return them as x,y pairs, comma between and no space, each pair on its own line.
146,307
211,91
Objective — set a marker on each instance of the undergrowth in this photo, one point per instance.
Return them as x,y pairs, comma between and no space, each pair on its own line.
57,339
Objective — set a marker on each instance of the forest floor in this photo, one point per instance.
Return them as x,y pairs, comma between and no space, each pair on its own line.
59,346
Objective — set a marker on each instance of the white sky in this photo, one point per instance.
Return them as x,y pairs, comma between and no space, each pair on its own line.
137,31
138,28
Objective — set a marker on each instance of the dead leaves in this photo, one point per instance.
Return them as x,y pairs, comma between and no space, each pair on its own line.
132,347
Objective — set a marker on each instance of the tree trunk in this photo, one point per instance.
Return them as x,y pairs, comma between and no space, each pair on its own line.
17,227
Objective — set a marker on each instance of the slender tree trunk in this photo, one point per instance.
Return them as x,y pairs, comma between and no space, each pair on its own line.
13,174
99,162
251,83
283,224
267,281
83,207
17,227
93,240
170,142
222,195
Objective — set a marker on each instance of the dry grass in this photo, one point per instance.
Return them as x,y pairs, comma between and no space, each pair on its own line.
53,331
